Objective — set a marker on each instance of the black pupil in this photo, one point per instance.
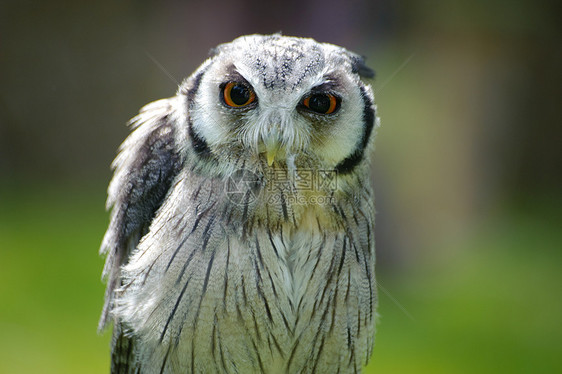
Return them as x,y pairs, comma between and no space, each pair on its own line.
319,103
240,94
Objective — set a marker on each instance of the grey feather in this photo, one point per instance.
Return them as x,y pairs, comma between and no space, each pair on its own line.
214,265
144,169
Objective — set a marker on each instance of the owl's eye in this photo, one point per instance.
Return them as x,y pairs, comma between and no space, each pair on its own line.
321,103
237,95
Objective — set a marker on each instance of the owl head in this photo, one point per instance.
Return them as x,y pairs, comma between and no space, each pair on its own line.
275,101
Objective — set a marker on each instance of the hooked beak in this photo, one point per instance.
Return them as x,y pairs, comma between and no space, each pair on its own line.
271,149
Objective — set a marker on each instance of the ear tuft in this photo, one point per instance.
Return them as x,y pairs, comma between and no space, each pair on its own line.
359,67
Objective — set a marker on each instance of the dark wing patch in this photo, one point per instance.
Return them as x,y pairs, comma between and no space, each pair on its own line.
145,167
123,360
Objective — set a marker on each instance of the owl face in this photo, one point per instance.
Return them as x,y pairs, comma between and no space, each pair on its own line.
277,100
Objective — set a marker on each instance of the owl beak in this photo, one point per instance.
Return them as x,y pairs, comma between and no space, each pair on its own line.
270,158
271,150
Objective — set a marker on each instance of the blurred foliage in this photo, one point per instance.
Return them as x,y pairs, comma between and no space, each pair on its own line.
490,305
50,283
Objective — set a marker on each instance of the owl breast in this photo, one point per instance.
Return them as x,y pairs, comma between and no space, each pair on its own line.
293,296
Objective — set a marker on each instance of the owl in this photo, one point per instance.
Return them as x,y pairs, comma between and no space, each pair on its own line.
241,231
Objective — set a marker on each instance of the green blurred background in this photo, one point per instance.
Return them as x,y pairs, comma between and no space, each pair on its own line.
467,170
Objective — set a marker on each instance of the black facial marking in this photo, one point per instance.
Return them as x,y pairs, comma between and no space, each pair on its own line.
199,144
349,163
189,89
368,117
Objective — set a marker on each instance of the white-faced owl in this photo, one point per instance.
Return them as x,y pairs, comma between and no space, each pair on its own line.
241,237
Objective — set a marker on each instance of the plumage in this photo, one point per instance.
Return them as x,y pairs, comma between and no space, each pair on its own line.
241,235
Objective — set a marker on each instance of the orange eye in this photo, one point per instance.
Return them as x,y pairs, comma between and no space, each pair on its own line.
321,103
237,95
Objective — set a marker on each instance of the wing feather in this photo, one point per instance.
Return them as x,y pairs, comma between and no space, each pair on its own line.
147,163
